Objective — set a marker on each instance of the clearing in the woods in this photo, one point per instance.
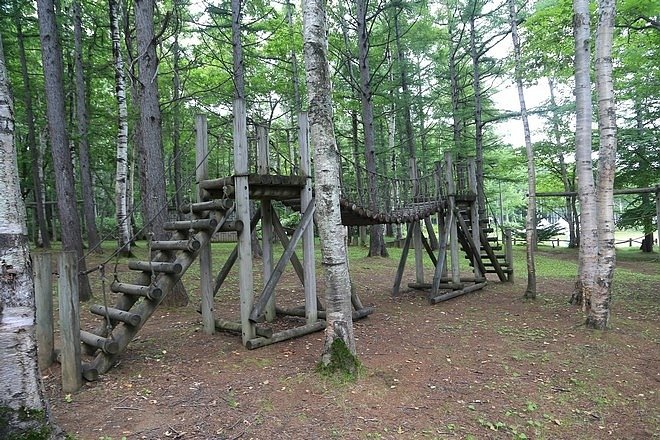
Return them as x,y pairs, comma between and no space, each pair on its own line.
484,365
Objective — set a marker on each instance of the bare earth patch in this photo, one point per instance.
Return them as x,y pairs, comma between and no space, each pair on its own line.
485,365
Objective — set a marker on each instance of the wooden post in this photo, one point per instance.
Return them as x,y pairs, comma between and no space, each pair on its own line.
242,198
69,322
205,262
474,217
263,167
453,228
309,264
417,231
43,295
508,254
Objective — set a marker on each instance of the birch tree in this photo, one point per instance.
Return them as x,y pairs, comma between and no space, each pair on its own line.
51,54
530,219
21,391
121,175
599,310
588,253
339,330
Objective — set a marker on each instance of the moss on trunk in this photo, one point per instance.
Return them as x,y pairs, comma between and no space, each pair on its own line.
342,362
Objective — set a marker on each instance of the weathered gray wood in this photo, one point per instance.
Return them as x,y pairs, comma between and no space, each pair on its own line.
205,260
242,197
43,296
212,205
108,345
286,334
116,314
190,245
69,322
155,266
442,286
402,262
231,326
231,260
309,259
152,292
493,259
453,229
508,253
284,239
257,312
263,168
440,267
195,224
474,219
472,247
456,293
300,311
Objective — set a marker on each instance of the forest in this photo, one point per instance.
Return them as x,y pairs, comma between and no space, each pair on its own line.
556,102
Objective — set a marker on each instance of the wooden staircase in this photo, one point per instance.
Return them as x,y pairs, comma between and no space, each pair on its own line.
153,280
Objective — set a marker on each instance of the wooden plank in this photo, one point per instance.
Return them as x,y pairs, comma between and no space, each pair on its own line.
257,312
231,326
508,253
284,239
442,253
286,334
205,259
300,311
242,197
309,259
116,314
69,322
474,219
43,296
429,250
402,263
263,167
493,259
474,249
456,293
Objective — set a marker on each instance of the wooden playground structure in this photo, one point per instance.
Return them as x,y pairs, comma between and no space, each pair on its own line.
449,192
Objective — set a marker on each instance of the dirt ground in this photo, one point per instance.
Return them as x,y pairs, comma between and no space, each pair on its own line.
484,365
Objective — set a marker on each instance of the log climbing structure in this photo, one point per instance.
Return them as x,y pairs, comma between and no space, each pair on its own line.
446,194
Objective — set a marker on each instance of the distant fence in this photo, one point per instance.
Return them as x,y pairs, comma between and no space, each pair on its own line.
556,242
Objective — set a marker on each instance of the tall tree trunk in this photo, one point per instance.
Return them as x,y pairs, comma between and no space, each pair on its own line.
36,153
328,214
530,223
377,242
152,169
121,177
453,81
297,106
176,114
21,390
588,255
89,209
478,126
51,54
405,91
601,296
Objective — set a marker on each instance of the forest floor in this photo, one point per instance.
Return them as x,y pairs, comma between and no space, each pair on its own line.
481,366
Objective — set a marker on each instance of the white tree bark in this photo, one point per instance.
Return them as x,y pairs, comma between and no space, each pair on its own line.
23,410
121,177
327,185
530,220
588,255
599,310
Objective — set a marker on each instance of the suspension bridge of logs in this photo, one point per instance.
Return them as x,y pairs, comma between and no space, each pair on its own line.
448,193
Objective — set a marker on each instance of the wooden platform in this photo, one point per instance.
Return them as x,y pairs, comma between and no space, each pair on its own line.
262,187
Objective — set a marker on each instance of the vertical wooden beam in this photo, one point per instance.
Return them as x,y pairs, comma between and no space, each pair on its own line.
453,228
441,266
205,262
402,262
657,212
242,198
474,219
263,167
43,295
417,230
69,322
309,260
508,254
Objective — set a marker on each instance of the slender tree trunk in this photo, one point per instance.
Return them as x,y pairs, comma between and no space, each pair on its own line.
176,117
328,214
478,126
377,242
601,296
21,390
51,54
121,176
405,91
588,255
37,173
530,223
89,209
